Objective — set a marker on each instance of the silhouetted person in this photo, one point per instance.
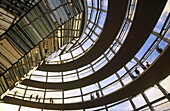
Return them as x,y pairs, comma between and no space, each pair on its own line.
39,99
51,100
143,67
137,71
92,97
132,76
46,50
97,94
147,64
36,98
15,93
159,50
31,96
60,20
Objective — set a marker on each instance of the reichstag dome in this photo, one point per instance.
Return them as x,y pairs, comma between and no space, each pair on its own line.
85,55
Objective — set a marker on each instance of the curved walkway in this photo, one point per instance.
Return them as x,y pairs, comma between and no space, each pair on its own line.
115,19
146,17
156,72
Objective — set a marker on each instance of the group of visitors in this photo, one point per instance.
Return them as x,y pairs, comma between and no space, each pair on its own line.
97,95
37,98
159,50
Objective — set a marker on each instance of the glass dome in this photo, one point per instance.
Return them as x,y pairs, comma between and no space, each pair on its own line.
87,55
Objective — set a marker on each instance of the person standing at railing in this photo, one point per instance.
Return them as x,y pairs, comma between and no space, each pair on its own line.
51,100
39,99
143,66
15,93
137,71
92,97
36,98
97,94
31,96
147,64
132,76
159,50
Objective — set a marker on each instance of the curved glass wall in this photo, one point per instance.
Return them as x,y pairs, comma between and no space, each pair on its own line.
122,77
